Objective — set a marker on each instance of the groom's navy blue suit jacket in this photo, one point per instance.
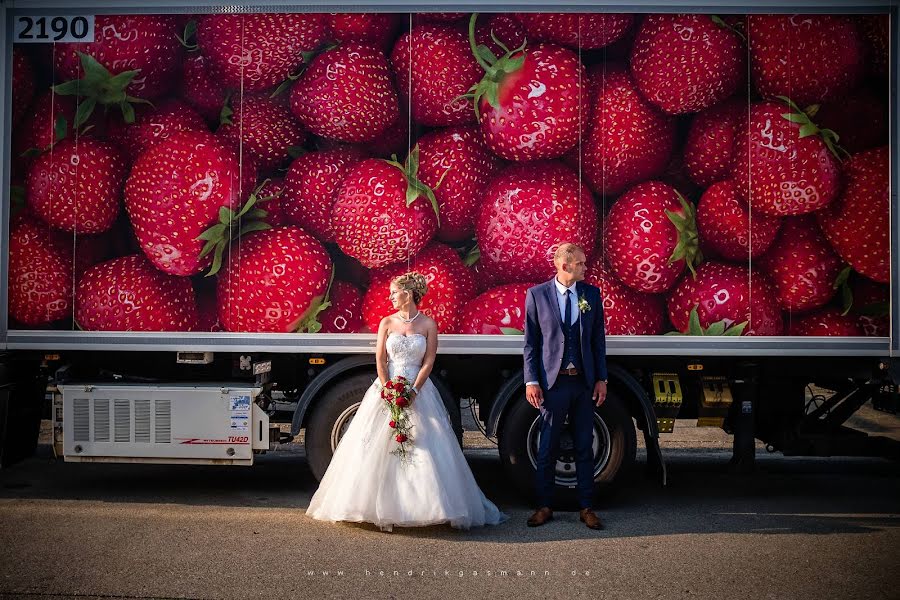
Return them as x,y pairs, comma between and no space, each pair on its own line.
545,340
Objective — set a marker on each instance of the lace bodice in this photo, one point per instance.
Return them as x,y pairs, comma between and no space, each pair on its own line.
405,353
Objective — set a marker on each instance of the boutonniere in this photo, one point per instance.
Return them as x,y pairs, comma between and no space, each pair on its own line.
583,305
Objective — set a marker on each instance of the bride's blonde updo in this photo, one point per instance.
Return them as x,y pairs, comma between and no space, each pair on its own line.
413,283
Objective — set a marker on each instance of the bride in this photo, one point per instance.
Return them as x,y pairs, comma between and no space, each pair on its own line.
367,480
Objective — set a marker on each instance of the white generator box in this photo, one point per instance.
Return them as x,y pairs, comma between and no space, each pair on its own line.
183,424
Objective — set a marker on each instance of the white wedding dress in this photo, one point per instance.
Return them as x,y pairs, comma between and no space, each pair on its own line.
365,482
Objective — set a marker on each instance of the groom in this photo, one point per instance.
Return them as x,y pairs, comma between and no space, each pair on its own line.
565,374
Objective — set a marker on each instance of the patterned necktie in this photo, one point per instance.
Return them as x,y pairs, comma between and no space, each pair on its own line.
568,309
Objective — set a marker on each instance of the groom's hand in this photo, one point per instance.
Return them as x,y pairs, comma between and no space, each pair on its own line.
535,395
599,392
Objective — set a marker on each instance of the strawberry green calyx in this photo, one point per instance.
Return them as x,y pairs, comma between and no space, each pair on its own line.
721,23
189,38
807,127
841,282
688,247
717,328
511,331
227,112
309,322
495,69
473,256
99,86
230,227
414,187
308,56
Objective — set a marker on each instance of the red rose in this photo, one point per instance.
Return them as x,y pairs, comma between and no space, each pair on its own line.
401,438
401,378
384,395
389,385
392,425
400,401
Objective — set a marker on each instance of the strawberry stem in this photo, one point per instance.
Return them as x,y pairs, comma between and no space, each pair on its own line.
495,69
718,328
309,323
99,86
808,127
230,227
415,188
688,246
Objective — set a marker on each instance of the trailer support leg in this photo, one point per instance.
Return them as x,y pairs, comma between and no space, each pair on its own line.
746,388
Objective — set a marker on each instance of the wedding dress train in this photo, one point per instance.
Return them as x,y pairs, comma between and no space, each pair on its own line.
365,482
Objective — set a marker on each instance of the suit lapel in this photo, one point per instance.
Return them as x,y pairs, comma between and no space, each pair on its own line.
551,299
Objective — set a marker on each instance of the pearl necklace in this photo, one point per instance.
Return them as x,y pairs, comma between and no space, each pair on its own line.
409,320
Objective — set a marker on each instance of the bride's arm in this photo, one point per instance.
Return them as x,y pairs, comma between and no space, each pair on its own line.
430,354
380,353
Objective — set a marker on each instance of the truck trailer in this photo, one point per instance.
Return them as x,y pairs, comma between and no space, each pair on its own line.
206,203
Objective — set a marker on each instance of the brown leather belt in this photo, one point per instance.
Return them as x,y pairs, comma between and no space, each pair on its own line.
568,371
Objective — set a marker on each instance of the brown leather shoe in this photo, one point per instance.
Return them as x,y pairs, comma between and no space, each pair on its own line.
540,517
590,519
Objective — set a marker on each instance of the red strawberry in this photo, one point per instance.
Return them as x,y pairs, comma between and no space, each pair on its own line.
626,311
875,30
382,214
457,159
629,140
129,294
274,283
440,62
779,170
528,210
256,51
22,84
344,315
373,29
264,127
532,104
824,322
174,194
270,198
727,227
808,58
730,293
38,128
450,287
871,304
709,149
587,31
802,265
311,188
845,116
143,43
499,311
502,26
202,87
154,124
77,186
40,274
685,63
396,139
858,223
651,234
346,94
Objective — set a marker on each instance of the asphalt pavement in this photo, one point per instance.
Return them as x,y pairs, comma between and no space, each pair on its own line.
797,528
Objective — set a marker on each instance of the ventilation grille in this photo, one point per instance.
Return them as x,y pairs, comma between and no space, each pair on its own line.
101,420
163,421
141,421
81,427
122,418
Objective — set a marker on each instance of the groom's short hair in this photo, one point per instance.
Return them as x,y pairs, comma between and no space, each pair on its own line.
566,252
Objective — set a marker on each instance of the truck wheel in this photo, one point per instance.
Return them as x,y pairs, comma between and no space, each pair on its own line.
330,419
614,447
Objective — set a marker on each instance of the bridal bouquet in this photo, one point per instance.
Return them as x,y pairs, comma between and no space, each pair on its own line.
397,394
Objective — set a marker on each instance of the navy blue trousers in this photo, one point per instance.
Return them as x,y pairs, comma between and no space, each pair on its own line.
570,396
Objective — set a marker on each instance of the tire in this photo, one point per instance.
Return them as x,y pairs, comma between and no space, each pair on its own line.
615,446
332,414
335,409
